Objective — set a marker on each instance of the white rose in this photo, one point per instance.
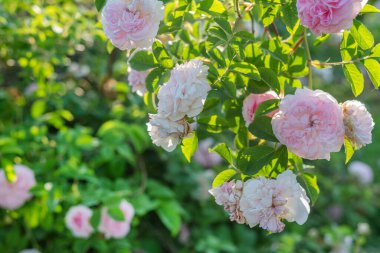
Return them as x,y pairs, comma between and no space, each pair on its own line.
265,202
185,92
167,133
363,172
358,123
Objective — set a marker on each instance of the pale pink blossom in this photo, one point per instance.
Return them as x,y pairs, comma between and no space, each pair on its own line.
328,16
204,157
166,133
132,23
14,195
266,202
117,229
253,101
358,123
310,124
185,92
136,80
361,171
77,219
29,251
228,195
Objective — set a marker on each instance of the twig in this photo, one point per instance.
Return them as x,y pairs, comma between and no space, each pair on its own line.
309,60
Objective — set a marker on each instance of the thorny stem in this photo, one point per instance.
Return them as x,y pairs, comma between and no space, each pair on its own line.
309,60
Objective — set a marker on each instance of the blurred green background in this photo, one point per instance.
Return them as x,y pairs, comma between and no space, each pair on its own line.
67,112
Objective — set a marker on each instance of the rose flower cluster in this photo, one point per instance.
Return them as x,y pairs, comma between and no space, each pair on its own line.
310,123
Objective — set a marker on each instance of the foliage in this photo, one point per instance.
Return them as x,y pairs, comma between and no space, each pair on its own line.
68,112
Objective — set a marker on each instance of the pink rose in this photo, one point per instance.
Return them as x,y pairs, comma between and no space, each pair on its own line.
310,124
253,101
136,80
14,195
204,157
132,23
328,16
117,229
78,221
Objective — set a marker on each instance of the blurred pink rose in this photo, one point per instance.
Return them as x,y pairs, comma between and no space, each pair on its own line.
328,16
132,23
136,80
310,124
253,101
117,229
14,195
358,123
204,157
361,171
78,221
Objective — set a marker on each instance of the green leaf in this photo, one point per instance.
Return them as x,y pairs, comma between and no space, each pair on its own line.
349,149
311,186
223,150
348,47
116,213
38,108
223,23
246,69
251,160
189,146
355,77
373,69
213,7
214,123
269,13
95,218
153,79
375,52
143,60
99,4
162,55
321,39
217,55
222,177
362,35
261,127
369,9
269,78
169,214
267,107
10,173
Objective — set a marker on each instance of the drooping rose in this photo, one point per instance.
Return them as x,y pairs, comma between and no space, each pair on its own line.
358,123
328,16
204,157
14,195
185,92
77,219
310,124
166,133
228,195
132,23
266,202
253,101
117,229
136,80
361,171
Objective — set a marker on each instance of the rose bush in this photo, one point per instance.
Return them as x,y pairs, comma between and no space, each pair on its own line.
209,78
